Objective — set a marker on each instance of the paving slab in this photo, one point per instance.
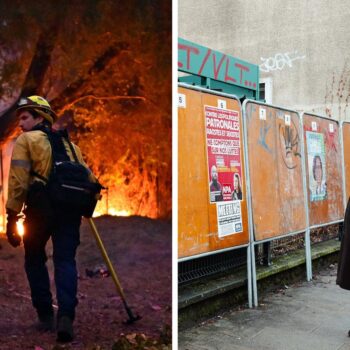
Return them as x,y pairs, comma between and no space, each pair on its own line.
303,316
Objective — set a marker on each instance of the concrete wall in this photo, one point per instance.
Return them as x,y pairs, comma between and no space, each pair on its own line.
302,47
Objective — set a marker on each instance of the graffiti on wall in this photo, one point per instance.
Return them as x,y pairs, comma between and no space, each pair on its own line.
337,96
280,61
200,60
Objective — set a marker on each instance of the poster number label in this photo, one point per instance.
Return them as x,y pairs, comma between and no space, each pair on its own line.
314,126
331,128
222,104
287,119
181,100
262,113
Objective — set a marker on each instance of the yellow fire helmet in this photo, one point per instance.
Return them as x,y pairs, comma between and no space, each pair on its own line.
38,104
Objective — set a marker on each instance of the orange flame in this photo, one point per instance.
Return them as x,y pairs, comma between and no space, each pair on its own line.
2,224
111,211
20,227
98,212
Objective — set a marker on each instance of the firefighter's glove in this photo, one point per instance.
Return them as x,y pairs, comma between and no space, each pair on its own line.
11,228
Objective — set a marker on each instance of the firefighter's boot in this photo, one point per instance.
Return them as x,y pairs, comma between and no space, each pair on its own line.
46,322
64,329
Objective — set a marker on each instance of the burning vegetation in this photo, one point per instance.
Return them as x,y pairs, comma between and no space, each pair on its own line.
105,67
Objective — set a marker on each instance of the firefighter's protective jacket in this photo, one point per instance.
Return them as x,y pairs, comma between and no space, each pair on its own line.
32,152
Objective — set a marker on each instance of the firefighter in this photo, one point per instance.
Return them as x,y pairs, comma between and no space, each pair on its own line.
31,163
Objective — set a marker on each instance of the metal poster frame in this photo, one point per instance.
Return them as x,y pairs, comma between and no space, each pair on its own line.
247,245
309,274
342,162
250,207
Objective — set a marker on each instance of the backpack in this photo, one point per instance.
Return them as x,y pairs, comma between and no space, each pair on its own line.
69,188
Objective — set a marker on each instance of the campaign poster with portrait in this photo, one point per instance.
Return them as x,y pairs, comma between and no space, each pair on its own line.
222,128
316,154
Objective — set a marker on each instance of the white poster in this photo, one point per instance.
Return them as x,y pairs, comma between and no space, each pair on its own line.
229,216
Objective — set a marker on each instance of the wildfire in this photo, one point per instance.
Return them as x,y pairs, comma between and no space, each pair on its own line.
115,212
98,212
111,211
111,205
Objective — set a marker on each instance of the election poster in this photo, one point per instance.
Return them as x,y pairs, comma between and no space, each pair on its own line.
222,127
229,218
316,155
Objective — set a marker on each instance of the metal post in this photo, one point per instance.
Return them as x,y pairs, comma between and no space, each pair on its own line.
341,131
249,204
308,256
254,279
249,277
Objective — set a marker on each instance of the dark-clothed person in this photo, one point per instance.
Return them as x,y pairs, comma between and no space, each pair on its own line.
343,275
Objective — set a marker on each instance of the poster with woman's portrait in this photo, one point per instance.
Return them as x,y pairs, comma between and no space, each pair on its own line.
317,166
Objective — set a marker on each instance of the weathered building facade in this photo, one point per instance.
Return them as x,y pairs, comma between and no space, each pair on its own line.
302,47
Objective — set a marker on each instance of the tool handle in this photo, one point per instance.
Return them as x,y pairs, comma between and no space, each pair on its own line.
107,260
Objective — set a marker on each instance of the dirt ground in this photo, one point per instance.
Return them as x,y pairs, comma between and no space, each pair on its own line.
140,250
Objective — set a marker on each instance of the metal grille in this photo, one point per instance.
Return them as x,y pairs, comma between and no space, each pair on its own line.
326,233
278,247
269,250
191,270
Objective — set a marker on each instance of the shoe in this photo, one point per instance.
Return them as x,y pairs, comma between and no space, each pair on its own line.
64,329
46,323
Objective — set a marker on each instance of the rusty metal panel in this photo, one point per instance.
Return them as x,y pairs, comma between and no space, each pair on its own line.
193,225
323,160
197,216
346,145
275,169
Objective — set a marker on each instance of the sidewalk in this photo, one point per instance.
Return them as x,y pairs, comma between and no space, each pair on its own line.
305,316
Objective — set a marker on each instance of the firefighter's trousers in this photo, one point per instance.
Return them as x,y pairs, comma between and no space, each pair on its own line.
64,232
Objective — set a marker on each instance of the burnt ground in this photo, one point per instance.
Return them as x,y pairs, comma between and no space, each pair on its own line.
140,250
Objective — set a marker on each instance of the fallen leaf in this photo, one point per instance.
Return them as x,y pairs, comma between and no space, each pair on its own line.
156,307
131,338
115,298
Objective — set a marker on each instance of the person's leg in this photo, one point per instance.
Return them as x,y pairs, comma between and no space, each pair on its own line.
35,238
65,240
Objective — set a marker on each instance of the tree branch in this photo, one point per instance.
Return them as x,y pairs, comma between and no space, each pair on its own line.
73,90
79,99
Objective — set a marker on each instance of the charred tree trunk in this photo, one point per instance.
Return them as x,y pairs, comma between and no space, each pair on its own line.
35,77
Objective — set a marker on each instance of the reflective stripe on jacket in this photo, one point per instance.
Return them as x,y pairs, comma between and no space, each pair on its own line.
31,152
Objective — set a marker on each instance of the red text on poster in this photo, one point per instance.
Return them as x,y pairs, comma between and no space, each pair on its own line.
222,128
